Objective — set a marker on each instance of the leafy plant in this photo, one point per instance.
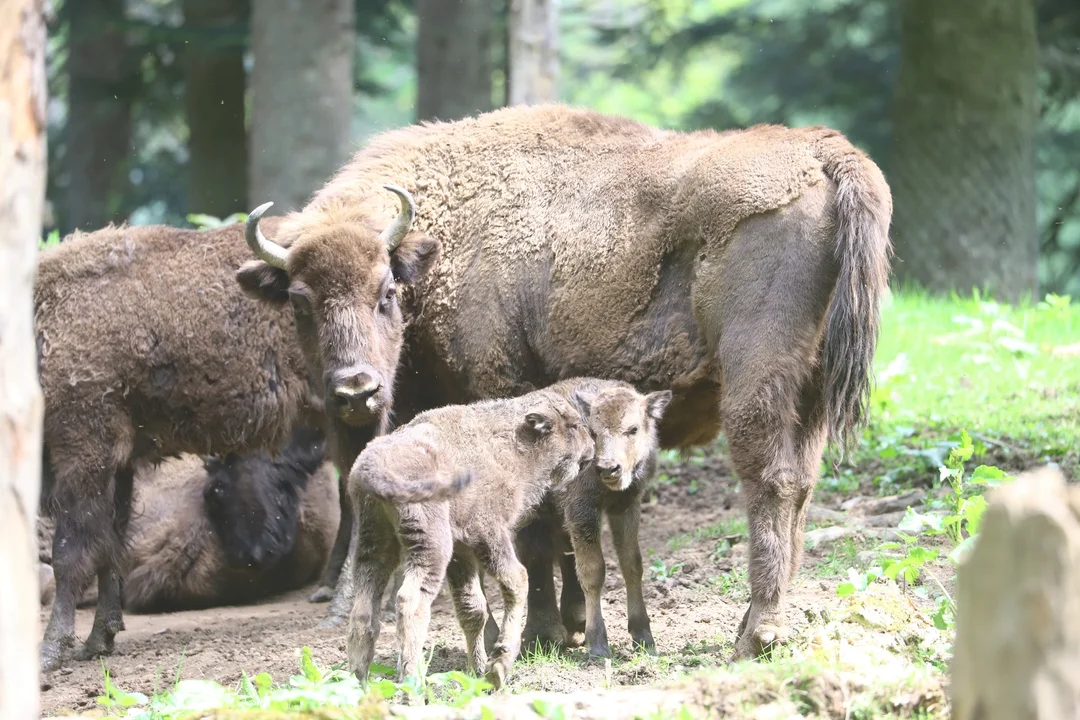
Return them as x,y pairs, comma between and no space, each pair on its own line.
49,241
964,505
208,222
660,569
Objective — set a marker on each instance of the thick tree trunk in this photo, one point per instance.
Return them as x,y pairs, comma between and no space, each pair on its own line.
533,51
214,81
453,58
22,197
963,166
302,97
102,81
1017,650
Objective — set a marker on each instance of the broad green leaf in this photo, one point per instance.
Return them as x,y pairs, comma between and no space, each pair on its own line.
382,670
308,667
845,589
263,683
972,511
987,475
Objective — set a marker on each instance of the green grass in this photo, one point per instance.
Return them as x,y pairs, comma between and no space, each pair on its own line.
946,364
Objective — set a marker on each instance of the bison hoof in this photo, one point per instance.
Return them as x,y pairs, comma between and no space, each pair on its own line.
759,642
332,621
95,648
323,594
52,656
496,674
542,637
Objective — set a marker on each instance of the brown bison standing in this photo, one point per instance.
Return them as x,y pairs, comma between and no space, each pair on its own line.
147,349
742,269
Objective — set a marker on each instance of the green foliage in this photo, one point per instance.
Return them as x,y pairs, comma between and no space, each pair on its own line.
660,569
49,241
313,688
209,222
959,522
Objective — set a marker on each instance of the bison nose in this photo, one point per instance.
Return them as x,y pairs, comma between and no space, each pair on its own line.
608,468
354,390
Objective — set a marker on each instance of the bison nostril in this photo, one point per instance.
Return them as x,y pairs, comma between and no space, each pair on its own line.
608,469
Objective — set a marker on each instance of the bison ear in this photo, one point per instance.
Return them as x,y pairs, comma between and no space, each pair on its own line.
539,423
584,401
263,281
656,403
414,257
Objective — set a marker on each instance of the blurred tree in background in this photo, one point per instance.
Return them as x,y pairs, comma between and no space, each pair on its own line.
971,107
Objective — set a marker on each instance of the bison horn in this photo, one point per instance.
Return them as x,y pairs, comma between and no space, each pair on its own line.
394,234
266,250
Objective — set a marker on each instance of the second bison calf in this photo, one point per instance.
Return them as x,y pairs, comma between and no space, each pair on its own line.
447,491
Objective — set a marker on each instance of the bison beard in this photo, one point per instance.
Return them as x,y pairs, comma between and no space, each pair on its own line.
743,270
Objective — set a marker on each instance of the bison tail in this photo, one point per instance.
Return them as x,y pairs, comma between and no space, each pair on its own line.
435,488
863,251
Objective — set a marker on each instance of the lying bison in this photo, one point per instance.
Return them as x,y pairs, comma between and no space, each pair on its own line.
223,531
741,269
147,348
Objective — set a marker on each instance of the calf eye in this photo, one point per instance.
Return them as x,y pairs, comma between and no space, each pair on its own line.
388,298
632,431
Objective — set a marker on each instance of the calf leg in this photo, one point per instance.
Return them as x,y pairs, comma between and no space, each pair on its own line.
572,600
378,552
513,580
426,534
470,606
536,552
589,558
624,533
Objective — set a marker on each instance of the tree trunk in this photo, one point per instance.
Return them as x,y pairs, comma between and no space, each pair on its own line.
214,82
302,97
102,81
453,58
1017,650
963,164
533,51
22,199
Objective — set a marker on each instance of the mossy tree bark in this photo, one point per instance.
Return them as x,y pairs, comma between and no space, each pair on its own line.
22,197
962,169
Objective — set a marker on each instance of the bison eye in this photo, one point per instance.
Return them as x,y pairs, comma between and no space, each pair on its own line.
388,298
632,431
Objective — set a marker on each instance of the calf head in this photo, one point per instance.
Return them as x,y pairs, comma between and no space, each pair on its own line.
253,501
554,435
623,424
342,281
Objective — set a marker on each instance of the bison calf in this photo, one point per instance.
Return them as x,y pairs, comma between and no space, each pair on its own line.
232,530
624,425
447,491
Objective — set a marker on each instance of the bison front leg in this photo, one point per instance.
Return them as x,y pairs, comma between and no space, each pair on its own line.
332,573
572,599
624,534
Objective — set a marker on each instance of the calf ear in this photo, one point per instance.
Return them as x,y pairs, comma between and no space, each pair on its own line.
414,257
539,423
656,403
584,401
263,281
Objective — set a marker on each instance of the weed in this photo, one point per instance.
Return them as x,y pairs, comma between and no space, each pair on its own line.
660,569
959,523
209,222
49,241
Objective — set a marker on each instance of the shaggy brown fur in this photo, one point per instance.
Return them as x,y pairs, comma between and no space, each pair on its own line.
623,424
147,348
742,269
446,491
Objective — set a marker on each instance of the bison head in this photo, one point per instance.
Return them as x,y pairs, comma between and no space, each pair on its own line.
342,281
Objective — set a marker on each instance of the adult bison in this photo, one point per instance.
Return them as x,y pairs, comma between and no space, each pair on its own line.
743,270
147,348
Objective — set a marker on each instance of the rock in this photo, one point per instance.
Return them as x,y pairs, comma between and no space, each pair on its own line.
823,537
1017,651
46,583
888,520
817,513
880,506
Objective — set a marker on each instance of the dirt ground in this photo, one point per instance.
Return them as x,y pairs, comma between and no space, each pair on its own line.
692,516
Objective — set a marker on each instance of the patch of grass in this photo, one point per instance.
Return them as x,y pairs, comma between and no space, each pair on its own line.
841,557
660,568
734,584
1010,375
730,526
